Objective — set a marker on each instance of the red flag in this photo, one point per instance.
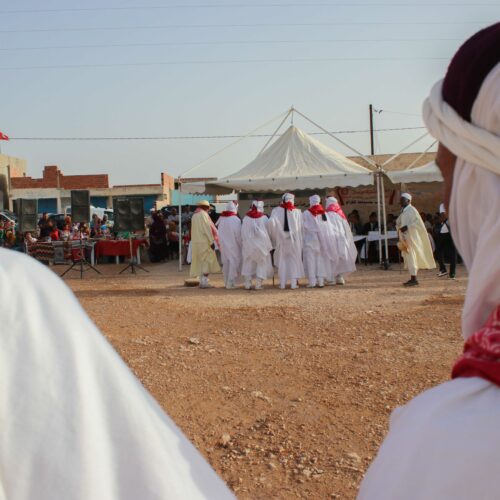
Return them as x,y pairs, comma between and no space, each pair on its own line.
3,137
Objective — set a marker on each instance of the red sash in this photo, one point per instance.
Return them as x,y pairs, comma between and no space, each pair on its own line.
288,205
316,210
481,357
335,207
254,213
227,214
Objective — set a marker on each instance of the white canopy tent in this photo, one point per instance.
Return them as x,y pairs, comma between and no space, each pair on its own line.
426,173
294,161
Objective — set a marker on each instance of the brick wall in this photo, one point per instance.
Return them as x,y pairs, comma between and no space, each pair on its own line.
54,178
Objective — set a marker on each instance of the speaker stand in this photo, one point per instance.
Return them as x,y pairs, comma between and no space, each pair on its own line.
83,263
132,265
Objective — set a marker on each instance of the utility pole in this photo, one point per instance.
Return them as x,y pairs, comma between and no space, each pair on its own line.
371,130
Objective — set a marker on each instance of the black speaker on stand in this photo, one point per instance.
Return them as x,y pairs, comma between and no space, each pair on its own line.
27,215
80,212
129,216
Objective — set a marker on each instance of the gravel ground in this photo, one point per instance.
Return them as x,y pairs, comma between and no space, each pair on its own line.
286,393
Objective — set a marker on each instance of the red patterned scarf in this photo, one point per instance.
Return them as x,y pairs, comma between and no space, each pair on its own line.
481,357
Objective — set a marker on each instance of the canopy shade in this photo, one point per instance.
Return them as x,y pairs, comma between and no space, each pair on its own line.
294,161
426,173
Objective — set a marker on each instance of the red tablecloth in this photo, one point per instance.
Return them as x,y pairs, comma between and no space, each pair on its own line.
115,248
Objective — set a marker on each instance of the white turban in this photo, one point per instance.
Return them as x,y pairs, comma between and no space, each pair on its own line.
406,195
475,198
331,201
288,197
259,205
442,209
230,206
314,200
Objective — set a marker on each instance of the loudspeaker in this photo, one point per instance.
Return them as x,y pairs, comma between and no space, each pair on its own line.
27,215
128,214
80,206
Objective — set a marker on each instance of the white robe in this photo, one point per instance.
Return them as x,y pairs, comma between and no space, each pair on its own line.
344,244
419,255
75,423
287,245
256,246
229,229
318,251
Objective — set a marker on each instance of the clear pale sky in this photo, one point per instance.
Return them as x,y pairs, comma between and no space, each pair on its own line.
338,68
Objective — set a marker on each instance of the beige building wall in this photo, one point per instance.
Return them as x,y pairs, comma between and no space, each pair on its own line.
10,166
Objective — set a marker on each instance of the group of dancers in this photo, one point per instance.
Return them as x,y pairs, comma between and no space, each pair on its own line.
316,244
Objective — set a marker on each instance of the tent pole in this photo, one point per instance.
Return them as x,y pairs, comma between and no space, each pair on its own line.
368,160
378,216
180,225
276,131
384,220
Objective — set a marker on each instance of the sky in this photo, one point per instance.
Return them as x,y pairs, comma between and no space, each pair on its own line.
159,68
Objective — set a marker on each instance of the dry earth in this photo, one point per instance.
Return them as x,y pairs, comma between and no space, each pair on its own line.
286,393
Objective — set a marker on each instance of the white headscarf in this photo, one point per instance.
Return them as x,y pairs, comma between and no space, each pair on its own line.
288,197
259,205
407,196
475,199
231,206
331,200
314,200
74,421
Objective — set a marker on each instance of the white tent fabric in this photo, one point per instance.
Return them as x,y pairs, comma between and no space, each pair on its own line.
294,161
426,173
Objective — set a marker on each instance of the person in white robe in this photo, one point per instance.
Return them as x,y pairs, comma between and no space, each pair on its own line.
318,243
75,423
285,230
414,243
257,246
444,444
229,229
346,253
204,241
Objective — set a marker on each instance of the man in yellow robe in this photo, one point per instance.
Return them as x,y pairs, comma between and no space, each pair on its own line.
415,243
203,239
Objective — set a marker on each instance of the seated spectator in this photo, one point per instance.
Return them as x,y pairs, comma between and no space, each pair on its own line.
355,223
372,224
391,223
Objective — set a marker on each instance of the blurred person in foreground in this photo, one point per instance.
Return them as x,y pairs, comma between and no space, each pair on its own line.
75,422
445,443
415,244
204,236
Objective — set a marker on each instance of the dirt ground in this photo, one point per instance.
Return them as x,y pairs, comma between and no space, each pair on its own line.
286,393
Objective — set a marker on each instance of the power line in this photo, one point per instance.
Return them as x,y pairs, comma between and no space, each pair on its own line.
196,137
240,5
227,61
229,42
244,25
